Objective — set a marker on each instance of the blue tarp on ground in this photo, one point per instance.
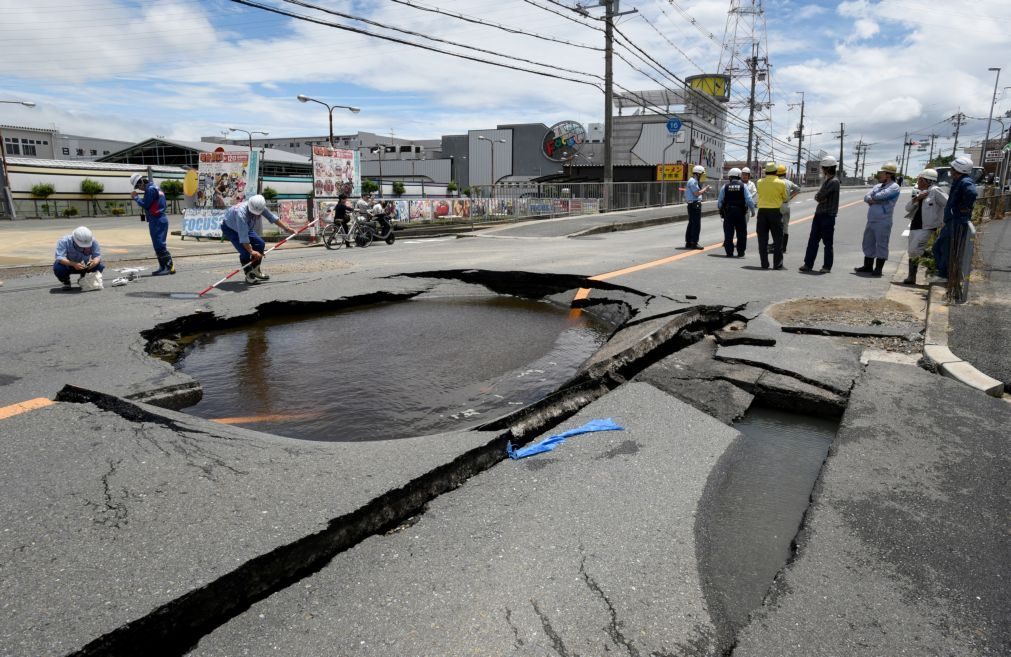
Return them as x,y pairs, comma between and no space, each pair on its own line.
552,442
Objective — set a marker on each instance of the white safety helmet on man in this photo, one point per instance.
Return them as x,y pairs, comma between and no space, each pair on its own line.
135,179
928,174
746,170
82,237
829,161
699,169
962,164
734,173
257,204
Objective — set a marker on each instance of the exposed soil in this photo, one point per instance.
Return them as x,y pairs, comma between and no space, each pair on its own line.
855,312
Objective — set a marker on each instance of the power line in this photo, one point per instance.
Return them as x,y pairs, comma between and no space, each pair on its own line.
566,17
348,28
498,26
672,44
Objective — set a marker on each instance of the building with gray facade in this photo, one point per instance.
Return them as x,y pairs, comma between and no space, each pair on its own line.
51,144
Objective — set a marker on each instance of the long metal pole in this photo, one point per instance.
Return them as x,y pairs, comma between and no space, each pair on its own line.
842,132
751,106
986,140
330,113
800,140
608,101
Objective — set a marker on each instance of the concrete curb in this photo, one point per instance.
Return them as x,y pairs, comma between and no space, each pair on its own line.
936,351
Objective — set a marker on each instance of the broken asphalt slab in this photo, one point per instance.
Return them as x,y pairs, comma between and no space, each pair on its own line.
587,550
902,552
854,331
144,523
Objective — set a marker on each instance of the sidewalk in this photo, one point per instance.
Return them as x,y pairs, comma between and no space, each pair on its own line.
981,328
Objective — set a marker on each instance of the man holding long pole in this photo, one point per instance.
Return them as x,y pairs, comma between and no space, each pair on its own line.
239,227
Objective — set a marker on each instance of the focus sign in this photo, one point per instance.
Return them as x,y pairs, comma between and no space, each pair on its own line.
673,125
562,141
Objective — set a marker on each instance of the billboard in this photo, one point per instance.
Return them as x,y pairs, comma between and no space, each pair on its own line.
202,222
224,179
712,84
295,213
335,171
562,141
675,172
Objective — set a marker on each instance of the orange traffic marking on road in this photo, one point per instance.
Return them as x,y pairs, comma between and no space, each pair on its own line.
584,293
269,417
24,407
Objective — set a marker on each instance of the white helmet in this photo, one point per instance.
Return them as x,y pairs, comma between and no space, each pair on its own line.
135,178
83,237
699,169
746,170
829,161
734,173
256,204
962,164
928,174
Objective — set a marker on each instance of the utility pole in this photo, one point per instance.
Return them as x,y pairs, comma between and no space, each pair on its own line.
931,156
902,159
858,149
800,136
842,134
610,13
959,120
753,63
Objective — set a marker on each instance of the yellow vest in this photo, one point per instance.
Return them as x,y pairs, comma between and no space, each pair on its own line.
772,193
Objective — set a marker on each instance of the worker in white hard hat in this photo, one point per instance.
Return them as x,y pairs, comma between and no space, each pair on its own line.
77,253
823,224
957,215
793,189
735,203
771,196
239,228
880,206
925,212
694,192
750,184
148,196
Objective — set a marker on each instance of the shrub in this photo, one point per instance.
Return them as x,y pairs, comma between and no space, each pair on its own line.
452,186
269,193
369,186
70,212
91,188
468,192
118,211
398,188
43,190
172,189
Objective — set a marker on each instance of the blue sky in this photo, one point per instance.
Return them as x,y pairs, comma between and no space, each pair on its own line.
131,69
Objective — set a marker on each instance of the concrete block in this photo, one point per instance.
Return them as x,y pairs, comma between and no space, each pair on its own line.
970,376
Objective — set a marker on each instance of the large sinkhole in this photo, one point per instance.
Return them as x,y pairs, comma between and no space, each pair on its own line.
390,370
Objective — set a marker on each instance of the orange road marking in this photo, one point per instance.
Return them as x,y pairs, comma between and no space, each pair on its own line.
584,293
117,250
24,407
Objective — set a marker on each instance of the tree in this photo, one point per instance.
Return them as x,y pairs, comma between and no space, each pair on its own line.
452,186
173,190
369,186
940,161
43,191
269,193
398,187
92,188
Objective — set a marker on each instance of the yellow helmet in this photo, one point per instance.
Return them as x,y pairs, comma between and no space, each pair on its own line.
771,167
890,167
781,170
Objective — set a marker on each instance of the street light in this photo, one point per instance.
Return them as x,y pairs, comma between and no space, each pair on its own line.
330,108
249,134
986,140
380,149
492,142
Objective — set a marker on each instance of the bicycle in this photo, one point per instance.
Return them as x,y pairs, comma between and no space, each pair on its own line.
334,236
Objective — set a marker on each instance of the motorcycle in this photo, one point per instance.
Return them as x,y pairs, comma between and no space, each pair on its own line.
381,224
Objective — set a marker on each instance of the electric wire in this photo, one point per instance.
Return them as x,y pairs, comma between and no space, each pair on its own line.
498,26
565,16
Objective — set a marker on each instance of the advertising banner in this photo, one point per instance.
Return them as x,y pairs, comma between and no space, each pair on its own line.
295,213
675,172
335,171
224,179
202,222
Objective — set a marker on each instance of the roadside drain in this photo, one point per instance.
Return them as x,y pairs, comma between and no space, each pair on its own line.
754,506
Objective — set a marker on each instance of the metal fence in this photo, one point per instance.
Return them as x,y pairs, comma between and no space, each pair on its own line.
990,204
610,197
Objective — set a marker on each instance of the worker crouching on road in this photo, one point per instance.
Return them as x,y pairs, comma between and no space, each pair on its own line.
823,225
735,203
77,253
926,214
147,195
693,197
772,195
957,215
239,227
881,204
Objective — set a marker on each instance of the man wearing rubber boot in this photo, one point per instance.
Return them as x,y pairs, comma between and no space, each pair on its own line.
881,204
735,203
239,228
925,212
957,215
147,195
793,190
823,224
772,195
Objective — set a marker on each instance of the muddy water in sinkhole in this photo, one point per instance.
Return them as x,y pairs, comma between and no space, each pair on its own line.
390,370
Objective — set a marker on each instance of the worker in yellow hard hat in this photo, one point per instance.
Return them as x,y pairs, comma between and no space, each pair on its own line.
881,203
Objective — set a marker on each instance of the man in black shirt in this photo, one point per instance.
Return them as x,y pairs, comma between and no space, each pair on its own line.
823,225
